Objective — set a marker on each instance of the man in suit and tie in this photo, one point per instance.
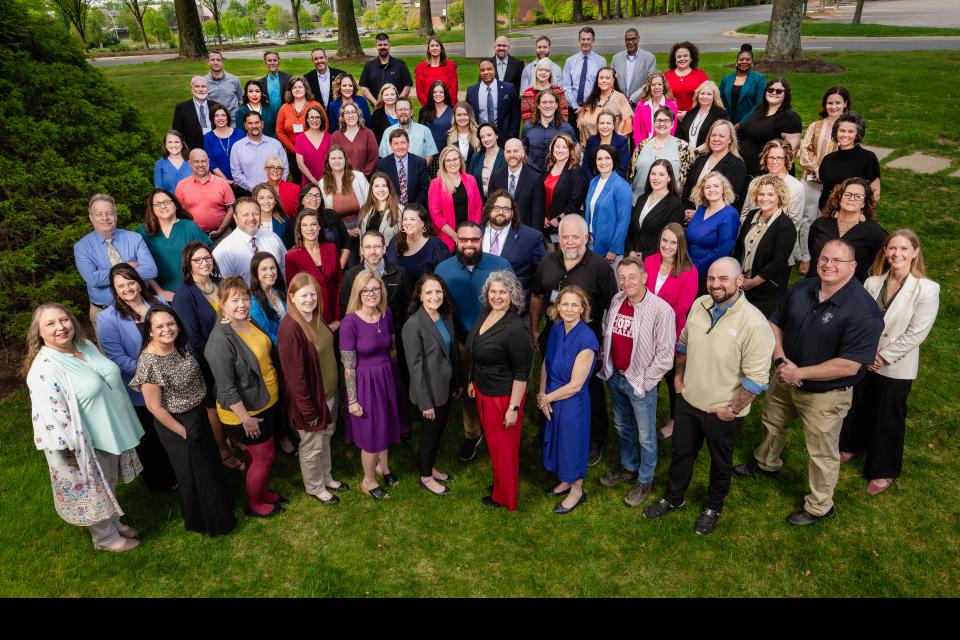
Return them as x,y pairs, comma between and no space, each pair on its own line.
192,117
321,78
506,236
507,67
274,84
523,183
495,101
407,171
633,66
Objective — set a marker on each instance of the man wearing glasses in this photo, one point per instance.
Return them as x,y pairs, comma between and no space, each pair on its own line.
465,273
399,290
826,331
206,196
249,155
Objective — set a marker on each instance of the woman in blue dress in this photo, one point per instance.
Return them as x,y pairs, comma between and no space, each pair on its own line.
172,167
712,231
219,141
564,399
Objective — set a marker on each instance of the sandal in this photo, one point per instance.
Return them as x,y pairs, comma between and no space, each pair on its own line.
233,463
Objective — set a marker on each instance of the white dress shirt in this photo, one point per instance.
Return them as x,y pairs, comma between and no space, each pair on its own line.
233,253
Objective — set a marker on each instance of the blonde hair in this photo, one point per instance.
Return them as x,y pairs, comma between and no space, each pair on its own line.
365,276
881,265
728,195
472,137
379,101
768,180
544,62
573,161
777,143
734,145
35,342
311,328
708,84
442,172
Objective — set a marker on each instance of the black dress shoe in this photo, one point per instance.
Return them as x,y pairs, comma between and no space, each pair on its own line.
253,514
594,454
561,510
468,450
550,493
331,500
377,493
804,517
751,468
490,502
343,487
446,490
391,480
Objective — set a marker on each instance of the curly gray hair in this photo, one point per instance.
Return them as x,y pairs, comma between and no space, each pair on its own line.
508,279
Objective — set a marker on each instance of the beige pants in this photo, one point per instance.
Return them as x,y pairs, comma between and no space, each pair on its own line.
472,429
821,415
315,464
94,312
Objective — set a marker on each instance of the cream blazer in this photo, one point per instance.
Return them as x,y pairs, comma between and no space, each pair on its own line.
906,324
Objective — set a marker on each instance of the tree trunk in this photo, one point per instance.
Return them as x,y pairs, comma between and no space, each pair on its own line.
858,12
783,43
143,32
295,6
348,41
577,15
426,20
189,30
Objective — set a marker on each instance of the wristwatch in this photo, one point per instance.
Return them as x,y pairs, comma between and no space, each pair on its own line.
515,407
778,361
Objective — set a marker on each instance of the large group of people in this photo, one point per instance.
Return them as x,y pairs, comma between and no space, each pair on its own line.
304,225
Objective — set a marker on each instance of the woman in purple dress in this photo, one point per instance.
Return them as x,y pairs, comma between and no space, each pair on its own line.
376,416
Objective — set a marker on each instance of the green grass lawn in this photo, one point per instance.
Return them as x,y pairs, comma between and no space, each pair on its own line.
902,543
843,29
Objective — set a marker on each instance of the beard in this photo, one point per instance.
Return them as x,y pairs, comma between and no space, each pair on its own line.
470,260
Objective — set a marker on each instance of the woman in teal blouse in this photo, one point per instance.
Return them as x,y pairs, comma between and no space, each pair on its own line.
742,90
167,228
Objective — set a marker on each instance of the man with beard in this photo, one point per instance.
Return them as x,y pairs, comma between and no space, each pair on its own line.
382,70
465,274
575,264
421,140
722,364
249,155
505,236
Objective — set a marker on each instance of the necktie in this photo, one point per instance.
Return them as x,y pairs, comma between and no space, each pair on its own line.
202,111
495,244
513,184
491,116
501,69
253,244
402,179
583,81
112,254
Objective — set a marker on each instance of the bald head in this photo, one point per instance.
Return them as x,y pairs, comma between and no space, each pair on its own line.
724,279
514,153
726,265
199,162
501,47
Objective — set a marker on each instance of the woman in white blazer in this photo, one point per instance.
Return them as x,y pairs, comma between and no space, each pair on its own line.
909,302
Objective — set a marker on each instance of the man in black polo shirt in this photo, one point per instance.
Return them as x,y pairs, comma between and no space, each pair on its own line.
576,265
827,330
382,70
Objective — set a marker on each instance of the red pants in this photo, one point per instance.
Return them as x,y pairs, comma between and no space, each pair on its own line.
504,445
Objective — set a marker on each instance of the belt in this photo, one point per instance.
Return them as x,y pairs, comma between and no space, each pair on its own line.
99,306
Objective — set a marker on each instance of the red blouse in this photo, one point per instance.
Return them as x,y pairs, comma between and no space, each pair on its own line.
683,87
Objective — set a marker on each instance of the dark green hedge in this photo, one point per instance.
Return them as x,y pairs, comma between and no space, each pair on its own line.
65,133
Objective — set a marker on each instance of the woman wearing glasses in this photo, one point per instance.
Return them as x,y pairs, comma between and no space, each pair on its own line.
851,214
772,118
331,225
167,228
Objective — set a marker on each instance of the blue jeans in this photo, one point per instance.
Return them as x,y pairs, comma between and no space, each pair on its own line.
635,419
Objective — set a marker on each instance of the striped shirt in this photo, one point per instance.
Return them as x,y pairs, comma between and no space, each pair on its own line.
654,337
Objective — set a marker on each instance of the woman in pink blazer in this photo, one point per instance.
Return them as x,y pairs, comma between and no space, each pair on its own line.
672,277
453,196
655,94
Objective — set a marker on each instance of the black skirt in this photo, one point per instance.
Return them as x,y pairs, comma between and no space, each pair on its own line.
205,500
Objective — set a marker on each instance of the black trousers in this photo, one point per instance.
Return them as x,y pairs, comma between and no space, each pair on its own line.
431,432
690,428
599,422
876,424
671,391
157,473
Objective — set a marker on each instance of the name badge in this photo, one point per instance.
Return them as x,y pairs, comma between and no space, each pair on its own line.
553,295
554,238
297,128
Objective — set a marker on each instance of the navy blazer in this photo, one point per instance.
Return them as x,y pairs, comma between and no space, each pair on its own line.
621,145
418,177
530,195
508,109
197,316
314,83
120,340
523,249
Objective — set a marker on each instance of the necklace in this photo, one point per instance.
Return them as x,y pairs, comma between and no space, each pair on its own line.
213,287
226,148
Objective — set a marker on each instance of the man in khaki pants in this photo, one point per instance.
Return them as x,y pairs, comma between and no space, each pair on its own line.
826,330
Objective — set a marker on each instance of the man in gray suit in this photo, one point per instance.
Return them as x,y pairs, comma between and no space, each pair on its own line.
633,66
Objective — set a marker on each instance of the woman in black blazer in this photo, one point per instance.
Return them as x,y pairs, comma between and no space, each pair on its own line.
765,243
723,157
656,208
430,347
194,302
565,182
698,122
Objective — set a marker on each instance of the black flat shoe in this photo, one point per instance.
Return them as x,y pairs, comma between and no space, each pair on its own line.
377,493
446,490
343,487
561,510
555,494
253,514
281,500
391,480
331,500
490,502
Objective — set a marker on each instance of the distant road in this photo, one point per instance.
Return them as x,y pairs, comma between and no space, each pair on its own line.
705,29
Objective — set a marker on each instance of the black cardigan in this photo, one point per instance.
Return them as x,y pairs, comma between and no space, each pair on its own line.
771,260
645,238
730,166
569,192
683,129
501,355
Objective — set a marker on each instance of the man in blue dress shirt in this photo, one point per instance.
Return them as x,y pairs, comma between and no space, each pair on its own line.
104,247
580,73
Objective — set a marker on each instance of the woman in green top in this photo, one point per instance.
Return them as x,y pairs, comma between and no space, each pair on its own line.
83,421
167,228
256,99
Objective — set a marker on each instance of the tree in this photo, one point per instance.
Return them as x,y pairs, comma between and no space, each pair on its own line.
426,20
296,8
348,40
257,11
155,25
783,43
215,7
577,13
858,12
328,20
455,13
137,9
75,13
278,19
189,30
556,10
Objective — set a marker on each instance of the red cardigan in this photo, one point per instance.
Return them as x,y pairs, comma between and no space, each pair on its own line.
426,75
302,379
297,260
678,292
440,203
362,151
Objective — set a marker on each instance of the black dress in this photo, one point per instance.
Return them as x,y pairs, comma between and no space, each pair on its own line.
758,130
867,239
836,167
205,500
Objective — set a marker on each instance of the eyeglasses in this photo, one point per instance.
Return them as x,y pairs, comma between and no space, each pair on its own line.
201,260
776,91
370,292
163,203
311,196
274,167
856,197
662,121
777,158
499,209
463,240
826,260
